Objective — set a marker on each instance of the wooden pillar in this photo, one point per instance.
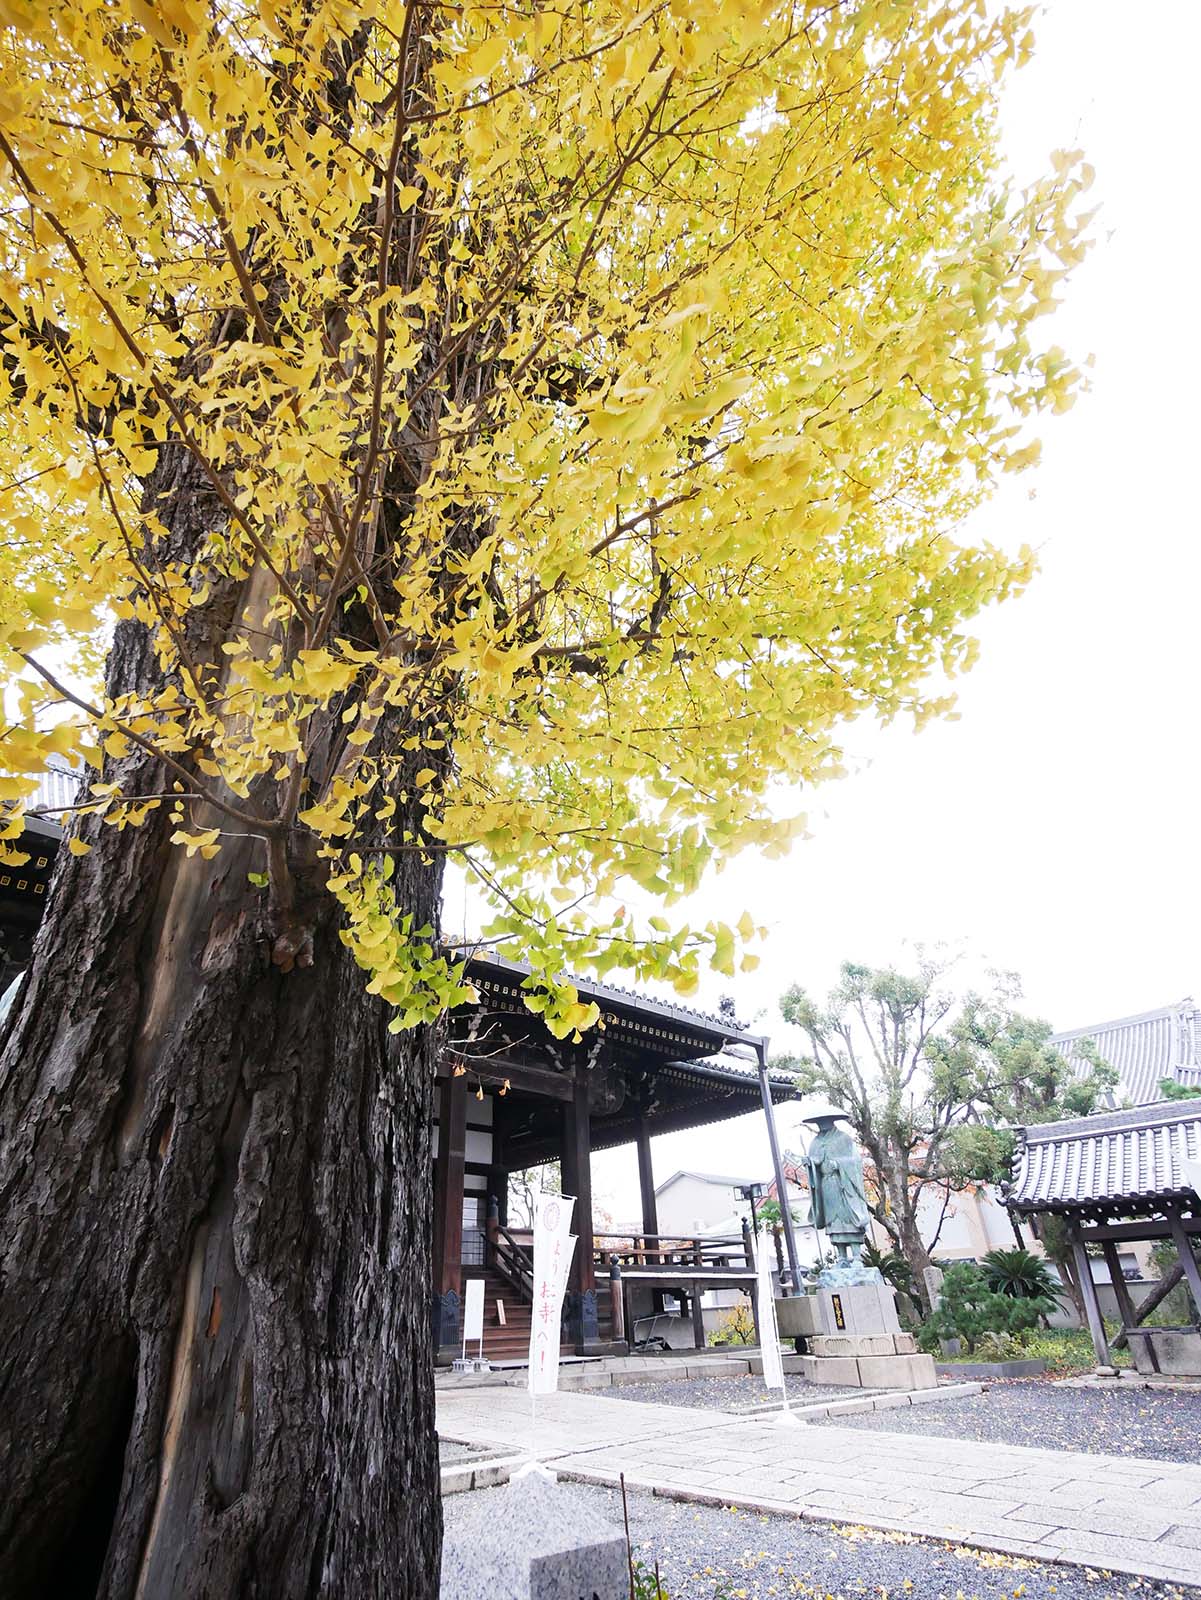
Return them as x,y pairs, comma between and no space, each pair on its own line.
448,1214
617,1302
577,1180
1120,1292
1188,1261
1088,1290
698,1318
646,1178
650,1206
1126,1309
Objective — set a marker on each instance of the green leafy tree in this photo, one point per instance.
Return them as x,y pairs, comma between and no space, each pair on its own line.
868,1053
1022,1080
1020,1077
525,1184
932,1084
1171,1090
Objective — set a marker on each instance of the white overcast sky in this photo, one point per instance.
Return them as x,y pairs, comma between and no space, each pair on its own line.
1052,829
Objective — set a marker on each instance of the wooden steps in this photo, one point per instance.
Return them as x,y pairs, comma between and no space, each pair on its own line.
510,1341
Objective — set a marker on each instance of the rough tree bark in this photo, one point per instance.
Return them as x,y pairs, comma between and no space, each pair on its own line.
214,1223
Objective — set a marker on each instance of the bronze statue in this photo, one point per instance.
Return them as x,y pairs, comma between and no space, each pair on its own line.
835,1168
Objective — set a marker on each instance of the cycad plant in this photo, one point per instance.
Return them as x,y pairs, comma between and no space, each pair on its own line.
1020,1274
891,1265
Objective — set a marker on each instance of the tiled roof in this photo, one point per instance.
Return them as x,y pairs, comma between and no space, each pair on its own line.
486,963
1117,1160
1145,1048
57,786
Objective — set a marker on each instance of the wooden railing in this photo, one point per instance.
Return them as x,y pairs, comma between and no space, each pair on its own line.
672,1252
513,1258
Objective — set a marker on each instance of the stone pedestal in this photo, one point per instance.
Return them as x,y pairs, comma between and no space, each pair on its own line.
868,1361
864,1308
854,1338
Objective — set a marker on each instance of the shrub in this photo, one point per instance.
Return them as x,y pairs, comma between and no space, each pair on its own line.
1020,1274
736,1327
969,1308
1068,1351
999,1347
645,1583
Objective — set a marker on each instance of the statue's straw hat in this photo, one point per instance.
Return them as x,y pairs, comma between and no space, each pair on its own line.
821,1113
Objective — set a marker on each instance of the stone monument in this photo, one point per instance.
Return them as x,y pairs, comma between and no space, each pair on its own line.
532,1539
849,1320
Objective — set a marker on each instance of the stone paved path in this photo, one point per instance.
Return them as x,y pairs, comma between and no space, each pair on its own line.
1139,1516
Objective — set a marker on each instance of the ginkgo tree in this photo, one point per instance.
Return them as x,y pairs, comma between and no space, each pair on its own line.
517,435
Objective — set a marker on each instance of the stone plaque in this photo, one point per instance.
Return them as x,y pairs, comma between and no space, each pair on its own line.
840,1320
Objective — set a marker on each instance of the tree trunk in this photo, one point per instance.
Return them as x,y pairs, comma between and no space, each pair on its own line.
900,1219
215,1372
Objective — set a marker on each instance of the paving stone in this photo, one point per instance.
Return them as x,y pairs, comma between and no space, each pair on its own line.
1174,1492
722,1366
1154,1559
1076,1493
1133,1524
1097,1510
1154,1508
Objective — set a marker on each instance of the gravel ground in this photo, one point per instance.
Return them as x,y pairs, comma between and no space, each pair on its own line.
705,1553
721,1394
448,1452
1165,1423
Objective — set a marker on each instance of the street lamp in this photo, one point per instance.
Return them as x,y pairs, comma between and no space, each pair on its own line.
752,1192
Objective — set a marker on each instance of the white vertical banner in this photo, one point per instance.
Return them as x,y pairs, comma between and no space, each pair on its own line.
473,1312
553,1247
765,1305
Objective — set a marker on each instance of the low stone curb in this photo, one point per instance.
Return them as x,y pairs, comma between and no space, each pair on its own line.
886,1400
459,1476
990,1369
976,1541
606,1373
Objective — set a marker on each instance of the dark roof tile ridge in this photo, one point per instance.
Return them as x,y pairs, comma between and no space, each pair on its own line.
1170,1010
1152,1114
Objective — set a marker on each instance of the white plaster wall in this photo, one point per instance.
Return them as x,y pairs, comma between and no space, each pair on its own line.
689,1205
